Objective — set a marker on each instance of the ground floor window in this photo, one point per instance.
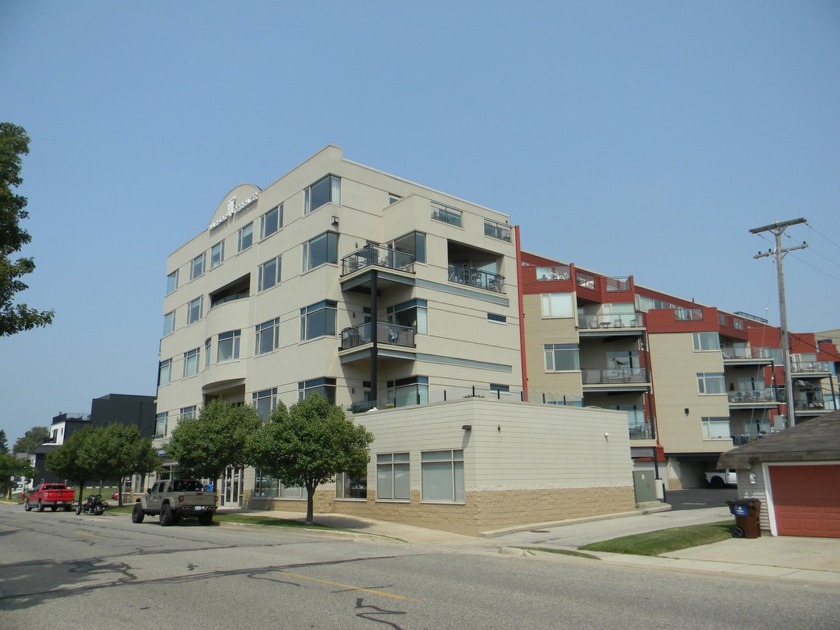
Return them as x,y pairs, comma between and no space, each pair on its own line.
392,476
265,485
442,475
347,487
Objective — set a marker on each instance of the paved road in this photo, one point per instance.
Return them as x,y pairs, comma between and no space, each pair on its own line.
62,571
701,498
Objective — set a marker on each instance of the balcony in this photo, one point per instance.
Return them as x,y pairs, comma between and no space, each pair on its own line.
554,272
374,255
811,367
386,333
642,432
616,376
462,274
749,356
753,396
607,322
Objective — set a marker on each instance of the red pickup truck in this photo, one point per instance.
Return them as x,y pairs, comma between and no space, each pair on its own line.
51,495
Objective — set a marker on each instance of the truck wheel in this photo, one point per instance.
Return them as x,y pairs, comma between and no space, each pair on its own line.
716,482
53,508
40,506
27,507
137,514
206,519
166,517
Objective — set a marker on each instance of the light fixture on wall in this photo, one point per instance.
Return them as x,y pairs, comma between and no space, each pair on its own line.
335,221
686,411
466,427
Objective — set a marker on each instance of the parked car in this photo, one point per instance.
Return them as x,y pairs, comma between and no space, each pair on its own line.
721,478
51,495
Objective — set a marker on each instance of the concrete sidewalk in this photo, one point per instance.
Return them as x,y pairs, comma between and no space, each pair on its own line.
812,560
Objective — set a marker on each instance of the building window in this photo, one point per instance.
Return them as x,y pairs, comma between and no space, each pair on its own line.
228,346
197,267
738,324
245,237
392,477
705,341
446,214
194,310
442,475
495,317
320,250
716,429
265,485
561,357
264,402
413,313
269,274
172,282
413,390
191,362
413,243
268,336
169,323
347,487
271,221
165,372
324,386
325,190
558,305
217,254
160,424
392,199
188,413
710,383
318,320
208,344
497,230
502,389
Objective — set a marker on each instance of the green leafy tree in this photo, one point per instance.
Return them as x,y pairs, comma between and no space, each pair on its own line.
75,460
308,444
205,446
4,443
118,451
9,467
14,143
31,440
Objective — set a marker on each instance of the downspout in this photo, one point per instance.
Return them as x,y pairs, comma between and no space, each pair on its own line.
519,291
374,333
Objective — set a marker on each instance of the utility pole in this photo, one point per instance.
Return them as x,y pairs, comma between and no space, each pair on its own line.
778,229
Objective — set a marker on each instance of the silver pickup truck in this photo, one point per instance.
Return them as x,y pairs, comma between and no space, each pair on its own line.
173,499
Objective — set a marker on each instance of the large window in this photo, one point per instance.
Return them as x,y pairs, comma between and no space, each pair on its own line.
347,487
268,336
716,429
264,402
271,221
228,347
711,383
168,323
705,341
320,250
245,237
446,214
442,474
324,386
194,310
197,267
191,362
561,357
413,243
392,476
172,282
558,305
325,190
269,274
413,390
217,254
413,313
318,320
165,372
160,424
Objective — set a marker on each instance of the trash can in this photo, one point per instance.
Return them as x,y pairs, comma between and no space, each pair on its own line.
746,513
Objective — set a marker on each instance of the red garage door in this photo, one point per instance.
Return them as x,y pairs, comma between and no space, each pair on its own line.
807,500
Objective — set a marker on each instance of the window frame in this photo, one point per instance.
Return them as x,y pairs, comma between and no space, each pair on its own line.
197,266
169,323
306,314
698,341
334,187
330,254
217,254
551,308
275,279
234,337
427,462
552,349
269,395
194,315
242,236
387,467
707,422
276,224
324,385
192,358
164,367
273,326
705,378
172,282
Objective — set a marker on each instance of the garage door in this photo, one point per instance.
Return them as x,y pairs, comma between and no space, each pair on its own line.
807,500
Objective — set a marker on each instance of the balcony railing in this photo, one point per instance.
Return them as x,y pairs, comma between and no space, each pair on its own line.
585,280
497,230
555,272
688,314
618,284
749,396
748,353
462,274
642,432
811,366
386,333
619,376
379,256
745,438
630,320
805,405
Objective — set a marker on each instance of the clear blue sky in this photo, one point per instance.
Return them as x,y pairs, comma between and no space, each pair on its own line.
641,138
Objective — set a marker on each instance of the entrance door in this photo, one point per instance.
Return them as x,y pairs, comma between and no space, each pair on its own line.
231,495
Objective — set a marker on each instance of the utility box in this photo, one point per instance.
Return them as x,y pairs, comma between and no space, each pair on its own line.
746,512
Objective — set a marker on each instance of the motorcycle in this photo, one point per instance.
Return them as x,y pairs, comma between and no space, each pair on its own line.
92,505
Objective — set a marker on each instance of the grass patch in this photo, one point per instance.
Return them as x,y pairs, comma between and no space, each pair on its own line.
665,540
254,519
562,552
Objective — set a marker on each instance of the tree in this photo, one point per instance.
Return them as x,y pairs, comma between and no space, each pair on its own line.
75,459
14,318
118,450
205,446
31,440
308,444
4,443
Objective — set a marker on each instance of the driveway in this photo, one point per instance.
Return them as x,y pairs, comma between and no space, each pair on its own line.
700,498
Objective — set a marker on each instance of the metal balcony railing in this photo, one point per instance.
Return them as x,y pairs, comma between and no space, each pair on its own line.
620,376
462,274
642,432
748,396
379,256
386,333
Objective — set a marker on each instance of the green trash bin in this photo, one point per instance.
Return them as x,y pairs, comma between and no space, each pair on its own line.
746,512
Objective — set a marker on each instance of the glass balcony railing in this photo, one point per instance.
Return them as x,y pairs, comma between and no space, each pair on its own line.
497,230
386,333
642,432
630,320
810,366
749,396
618,284
750,353
379,256
554,272
462,274
619,376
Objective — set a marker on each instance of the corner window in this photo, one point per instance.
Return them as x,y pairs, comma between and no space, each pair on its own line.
228,346
446,214
413,243
442,475
169,323
269,274
217,254
318,320
324,191
194,310
347,487
197,267
264,402
191,362
557,305
320,250
392,477
705,341
271,221
268,336
324,386
165,372
172,282
710,383
413,314
561,357
245,237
